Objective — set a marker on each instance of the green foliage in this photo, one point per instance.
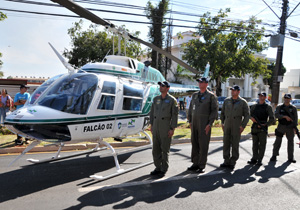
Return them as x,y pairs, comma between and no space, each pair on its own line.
180,73
92,45
228,46
2,17
271,67
5,131
156,17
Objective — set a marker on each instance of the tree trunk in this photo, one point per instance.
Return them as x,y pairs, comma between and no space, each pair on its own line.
218,86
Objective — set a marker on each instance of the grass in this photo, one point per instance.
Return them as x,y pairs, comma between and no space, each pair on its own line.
181,132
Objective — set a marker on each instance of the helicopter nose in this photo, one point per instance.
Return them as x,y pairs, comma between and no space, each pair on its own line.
47,132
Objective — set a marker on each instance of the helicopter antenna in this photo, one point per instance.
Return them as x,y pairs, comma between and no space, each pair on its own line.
105,55
64,62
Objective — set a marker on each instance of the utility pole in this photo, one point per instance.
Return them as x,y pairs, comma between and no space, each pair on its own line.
278,66
169,32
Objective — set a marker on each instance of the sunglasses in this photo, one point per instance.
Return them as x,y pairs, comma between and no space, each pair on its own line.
162,85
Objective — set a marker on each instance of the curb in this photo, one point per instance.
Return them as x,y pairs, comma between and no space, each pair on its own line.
74,147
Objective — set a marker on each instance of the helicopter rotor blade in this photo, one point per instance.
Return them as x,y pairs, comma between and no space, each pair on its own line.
84,13
64,62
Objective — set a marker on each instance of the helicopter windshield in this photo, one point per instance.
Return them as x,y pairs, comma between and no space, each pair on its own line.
37,93
72,94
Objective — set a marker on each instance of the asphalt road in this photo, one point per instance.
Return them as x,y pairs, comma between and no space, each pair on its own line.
66,184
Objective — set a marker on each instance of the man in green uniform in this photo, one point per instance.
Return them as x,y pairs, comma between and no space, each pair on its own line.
234,118
203,111
288,119
262,116
163,121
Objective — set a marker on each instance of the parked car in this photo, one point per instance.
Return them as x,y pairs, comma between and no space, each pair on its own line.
253,101
296,103
221,101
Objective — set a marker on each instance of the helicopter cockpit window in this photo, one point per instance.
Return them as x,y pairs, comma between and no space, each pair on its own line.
72,94
108,96
37,93
133,97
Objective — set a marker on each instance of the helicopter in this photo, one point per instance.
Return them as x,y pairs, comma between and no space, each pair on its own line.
104,99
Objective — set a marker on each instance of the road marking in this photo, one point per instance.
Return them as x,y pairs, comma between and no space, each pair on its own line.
137,183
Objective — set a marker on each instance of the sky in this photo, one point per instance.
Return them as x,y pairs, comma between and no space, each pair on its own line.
24,37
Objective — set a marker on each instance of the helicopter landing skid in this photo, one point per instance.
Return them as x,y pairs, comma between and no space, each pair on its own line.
115,155
57,157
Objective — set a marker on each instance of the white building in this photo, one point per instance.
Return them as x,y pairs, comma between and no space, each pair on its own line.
177,51
290,84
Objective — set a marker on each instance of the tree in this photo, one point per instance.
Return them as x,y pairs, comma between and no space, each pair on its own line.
228,46
93,45
2,17
271,67
156,17
180,73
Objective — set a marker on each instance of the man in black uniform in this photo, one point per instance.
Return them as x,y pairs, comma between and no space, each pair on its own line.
288,119
262,116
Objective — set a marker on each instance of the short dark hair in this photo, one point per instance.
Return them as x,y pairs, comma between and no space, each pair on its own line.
4,90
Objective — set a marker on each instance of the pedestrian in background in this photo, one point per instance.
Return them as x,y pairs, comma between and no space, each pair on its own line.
181,102
6,104
187,105
19,101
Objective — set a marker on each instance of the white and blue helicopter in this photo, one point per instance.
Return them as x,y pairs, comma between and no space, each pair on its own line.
111,98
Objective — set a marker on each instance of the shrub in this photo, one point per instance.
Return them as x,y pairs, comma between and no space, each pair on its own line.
5,131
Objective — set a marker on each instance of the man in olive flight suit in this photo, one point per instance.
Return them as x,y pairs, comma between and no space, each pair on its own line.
234,118
288,118
203,111
262,116
163,121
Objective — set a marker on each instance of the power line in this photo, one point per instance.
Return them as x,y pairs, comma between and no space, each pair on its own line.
144,8
297,40
135,14
126,13
140,22
271,8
